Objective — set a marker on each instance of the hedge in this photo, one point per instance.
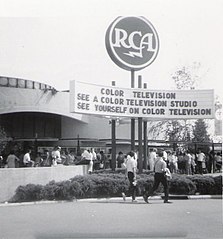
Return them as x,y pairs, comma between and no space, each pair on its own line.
112,184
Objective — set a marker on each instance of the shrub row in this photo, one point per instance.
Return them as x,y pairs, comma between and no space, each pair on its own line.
110,184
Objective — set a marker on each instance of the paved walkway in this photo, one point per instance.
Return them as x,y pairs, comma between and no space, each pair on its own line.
119,199
113,218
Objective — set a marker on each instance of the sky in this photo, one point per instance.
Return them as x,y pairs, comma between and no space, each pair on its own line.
56,41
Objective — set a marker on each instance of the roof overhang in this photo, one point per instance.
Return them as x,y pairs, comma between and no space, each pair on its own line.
14,100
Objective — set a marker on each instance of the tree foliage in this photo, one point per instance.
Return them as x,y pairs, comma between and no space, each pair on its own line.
200,131
171,130
185,78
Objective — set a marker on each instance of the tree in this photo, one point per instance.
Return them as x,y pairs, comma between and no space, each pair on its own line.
171,130
200,133
185,78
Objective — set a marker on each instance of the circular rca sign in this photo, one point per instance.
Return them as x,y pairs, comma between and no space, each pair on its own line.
132,42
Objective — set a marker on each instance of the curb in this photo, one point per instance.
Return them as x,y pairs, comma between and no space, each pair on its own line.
171,197
7,204
205,197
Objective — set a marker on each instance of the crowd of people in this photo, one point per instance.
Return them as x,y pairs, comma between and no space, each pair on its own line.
27,159
182,162
189,163
58,156
164,164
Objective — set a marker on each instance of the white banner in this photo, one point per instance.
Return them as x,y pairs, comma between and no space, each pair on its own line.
155,104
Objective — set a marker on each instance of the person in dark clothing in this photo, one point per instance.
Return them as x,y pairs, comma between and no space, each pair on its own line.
120,159
160,169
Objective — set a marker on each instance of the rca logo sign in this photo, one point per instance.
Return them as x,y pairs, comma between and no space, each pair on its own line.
132,42
123,40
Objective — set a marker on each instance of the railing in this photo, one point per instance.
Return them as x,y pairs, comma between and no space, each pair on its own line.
21,83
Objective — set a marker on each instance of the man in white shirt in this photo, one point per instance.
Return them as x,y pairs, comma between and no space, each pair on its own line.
56,155
27,159
200,160
152,158
90,165
188,159
131,167
93,153
165,155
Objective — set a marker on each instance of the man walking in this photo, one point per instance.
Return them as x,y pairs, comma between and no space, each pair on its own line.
159,177
131,167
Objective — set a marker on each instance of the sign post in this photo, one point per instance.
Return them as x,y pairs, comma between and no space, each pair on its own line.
140,161
113,151
113,141
145,139
133,44
132,119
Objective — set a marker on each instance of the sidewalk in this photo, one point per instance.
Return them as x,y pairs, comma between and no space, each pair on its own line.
118,199
161,197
